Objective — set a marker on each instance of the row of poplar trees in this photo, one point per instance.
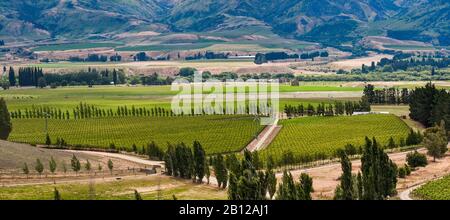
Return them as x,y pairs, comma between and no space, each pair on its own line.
377,179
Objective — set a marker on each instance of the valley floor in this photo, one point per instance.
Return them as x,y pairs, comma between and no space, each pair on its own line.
122,186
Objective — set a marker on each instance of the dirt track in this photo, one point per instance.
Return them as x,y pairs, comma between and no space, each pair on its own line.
326,178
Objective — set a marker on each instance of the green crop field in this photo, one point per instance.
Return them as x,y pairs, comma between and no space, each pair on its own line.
435,190
323,135
75,46
115,190
217,134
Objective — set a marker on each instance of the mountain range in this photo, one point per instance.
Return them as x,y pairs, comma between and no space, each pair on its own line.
325,21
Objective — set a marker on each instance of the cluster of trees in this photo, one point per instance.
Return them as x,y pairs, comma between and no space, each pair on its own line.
386,96
33,76
5,120
75,165
377,179
261,58
208,55
141,56
186,162
430,106
313,55
90,58
338,108
28,76
403,63
436,140
2,43
356,75
41,112
84,110
115,58
90,77
155,79
247,181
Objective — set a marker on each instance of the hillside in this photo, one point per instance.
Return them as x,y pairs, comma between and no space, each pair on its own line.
327,21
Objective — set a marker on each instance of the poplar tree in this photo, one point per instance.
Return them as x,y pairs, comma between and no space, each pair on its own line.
5,120
199,161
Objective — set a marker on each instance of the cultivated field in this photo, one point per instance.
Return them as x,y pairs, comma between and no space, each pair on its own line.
217,134
324,135
435,190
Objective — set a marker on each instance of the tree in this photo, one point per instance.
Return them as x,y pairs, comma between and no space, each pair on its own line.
110,166
429,105
306,186
286,189
207,172
115,77
25,169
39,166
12,77
260,58
346,184
199,161
48,141
391,143
137,195
5,120
436,140
52,165
220,171
271,181
75,163
379,173
64,167
56,194
87,166
42,83
416,159
187,71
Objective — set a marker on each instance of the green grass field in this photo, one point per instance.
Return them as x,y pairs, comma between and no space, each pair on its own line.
217,134
323,135
435,190
116,190
74,46
141,96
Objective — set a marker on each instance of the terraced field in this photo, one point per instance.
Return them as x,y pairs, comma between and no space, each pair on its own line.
216,133
435,190
323,135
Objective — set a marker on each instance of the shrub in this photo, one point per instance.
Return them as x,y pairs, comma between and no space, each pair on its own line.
402,172
416,159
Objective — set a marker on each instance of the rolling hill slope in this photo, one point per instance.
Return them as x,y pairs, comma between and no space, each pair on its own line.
327,21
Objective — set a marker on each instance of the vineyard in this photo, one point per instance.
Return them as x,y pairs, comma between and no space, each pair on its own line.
320,137
216,133
435,190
